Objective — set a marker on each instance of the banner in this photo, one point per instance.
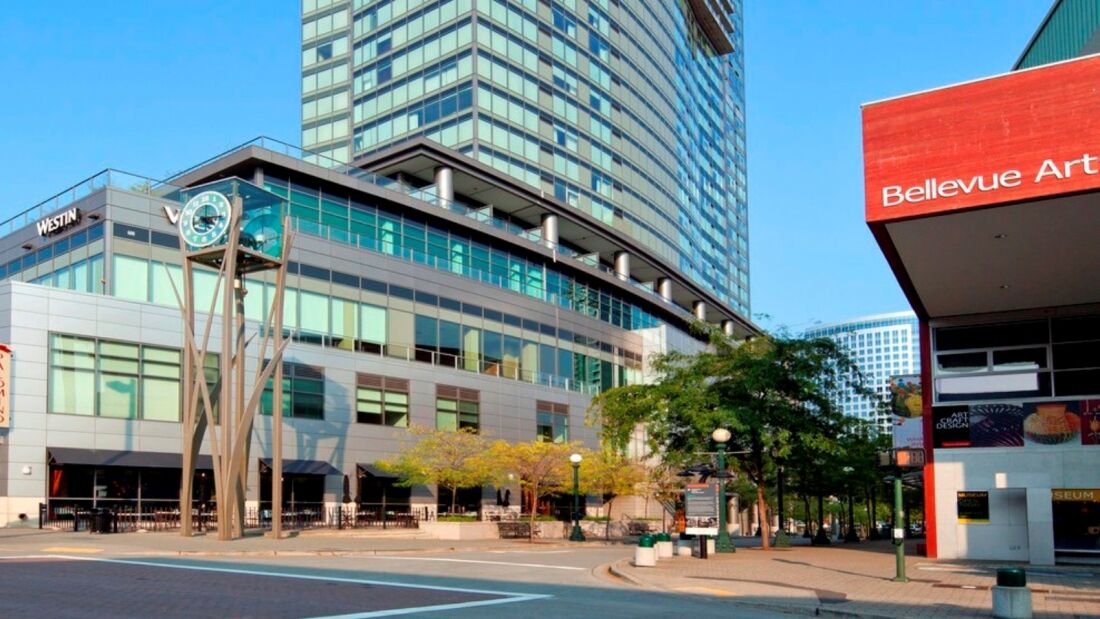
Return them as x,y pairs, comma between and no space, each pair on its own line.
5,386
1017,425
906,408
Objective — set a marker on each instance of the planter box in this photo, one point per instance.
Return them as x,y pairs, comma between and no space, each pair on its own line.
461,530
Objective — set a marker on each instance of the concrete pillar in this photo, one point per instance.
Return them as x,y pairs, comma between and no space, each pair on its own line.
727,327
550,229
445,185
622,265
258,176
664,288
699,308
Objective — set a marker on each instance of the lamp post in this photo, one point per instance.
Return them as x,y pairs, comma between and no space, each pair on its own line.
723,544
851,537
576,535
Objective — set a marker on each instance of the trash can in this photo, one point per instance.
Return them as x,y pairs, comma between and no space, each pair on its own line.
102,520
1011,597
645,555
93,520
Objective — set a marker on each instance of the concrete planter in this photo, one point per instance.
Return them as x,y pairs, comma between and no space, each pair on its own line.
461,530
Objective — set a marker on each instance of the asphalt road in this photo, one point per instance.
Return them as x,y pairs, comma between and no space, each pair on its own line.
512,582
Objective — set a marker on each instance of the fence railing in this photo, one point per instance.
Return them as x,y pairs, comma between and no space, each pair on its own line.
77,515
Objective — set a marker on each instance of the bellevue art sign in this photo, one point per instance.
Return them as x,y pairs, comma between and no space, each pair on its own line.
933,188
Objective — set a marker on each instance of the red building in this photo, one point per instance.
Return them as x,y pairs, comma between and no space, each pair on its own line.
985,199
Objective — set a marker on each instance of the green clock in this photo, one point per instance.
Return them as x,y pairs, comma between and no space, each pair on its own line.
204,220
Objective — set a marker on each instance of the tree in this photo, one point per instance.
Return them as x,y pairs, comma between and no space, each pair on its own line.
608,473
542,468
446,458
772,392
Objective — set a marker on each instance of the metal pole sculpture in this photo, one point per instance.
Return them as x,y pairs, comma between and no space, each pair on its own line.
215,231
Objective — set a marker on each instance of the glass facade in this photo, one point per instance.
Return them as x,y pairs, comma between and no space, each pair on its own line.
622,110
881,346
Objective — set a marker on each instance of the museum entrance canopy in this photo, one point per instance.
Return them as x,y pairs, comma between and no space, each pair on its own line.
985,196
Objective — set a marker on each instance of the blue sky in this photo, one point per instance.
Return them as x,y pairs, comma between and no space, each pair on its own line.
152,87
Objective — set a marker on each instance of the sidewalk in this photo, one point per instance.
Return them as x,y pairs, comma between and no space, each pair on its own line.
305,543
856,580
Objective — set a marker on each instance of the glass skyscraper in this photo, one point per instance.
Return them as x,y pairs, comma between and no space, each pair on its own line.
629,111
882,346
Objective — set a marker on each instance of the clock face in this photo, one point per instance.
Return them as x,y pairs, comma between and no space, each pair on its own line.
262,233
204,220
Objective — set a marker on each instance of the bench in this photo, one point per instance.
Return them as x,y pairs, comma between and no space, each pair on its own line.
514,530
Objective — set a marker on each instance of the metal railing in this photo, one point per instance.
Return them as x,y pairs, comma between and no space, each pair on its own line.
96,182
78,515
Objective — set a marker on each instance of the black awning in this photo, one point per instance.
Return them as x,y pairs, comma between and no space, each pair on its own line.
374,471
133,459
303,467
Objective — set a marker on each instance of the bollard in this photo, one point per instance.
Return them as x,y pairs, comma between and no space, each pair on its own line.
645,555
1011,597
663,544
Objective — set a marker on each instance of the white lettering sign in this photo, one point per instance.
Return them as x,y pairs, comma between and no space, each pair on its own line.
934,188
57,223
173,214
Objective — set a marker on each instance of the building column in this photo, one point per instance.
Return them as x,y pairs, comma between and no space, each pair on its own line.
622,265
699,308
550,230
664,288
727,327
258,176
445,185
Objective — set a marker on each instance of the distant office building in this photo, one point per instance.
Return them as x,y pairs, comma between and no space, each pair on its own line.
882,346
628,113
1070,29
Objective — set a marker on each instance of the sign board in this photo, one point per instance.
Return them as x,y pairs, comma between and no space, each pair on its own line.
1020,136
5,386
58,223
906,407
973,507
701,509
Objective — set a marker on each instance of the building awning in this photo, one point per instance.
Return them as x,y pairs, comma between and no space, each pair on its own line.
133,459
302,467
374,471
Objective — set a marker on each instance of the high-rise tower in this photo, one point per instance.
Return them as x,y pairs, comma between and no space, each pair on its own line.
630,112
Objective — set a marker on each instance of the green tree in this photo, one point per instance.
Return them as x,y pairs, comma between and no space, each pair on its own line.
542,468
446,458
772,392
610,474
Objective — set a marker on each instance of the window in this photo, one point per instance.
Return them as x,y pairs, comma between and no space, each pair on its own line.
114,379
564,22
456,408
303,392
552,422
382,400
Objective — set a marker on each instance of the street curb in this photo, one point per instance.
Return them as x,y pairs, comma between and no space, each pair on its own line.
816,611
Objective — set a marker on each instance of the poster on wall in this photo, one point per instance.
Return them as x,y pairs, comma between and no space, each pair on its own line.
1076,513
5,386
1029,424
906,406
973,507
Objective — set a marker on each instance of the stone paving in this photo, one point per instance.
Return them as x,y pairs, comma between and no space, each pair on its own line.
856,580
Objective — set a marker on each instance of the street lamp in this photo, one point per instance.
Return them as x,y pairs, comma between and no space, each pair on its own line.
576,535
851,537
722,436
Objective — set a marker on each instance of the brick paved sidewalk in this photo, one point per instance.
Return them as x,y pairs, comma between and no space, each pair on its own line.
857,580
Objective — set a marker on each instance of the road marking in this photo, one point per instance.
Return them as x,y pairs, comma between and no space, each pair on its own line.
73,549
529,552
504,597
505,563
